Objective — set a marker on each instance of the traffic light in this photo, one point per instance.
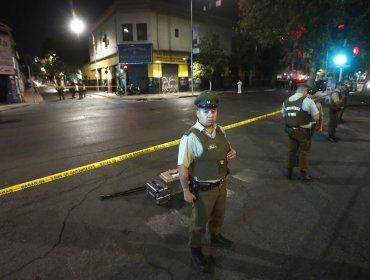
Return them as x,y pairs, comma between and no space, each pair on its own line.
341,34
341,26
124,67
356,50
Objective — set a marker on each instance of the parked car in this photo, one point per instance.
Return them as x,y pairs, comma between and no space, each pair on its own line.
363,85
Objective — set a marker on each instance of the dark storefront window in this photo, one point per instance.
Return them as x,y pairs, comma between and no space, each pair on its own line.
127,32
141,32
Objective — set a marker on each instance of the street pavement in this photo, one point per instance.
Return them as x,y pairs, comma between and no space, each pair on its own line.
282,229
41,96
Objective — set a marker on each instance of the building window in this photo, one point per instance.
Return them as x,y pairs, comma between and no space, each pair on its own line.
127,32
176,32
141,32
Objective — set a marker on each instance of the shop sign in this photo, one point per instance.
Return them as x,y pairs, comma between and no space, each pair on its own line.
6,58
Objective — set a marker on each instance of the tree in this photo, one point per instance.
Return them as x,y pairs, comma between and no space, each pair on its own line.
211,59
306,29
254,64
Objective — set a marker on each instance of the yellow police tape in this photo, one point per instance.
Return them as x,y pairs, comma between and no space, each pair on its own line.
103,163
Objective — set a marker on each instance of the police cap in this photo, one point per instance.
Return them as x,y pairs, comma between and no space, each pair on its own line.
342,88
311,90
206,99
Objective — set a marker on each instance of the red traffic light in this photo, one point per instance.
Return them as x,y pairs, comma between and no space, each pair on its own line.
356,50
340,26
125,67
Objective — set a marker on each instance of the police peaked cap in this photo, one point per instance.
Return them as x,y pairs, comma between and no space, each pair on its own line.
311,90
206,99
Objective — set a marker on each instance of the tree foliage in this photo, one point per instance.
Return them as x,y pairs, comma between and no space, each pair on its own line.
211,59
306,29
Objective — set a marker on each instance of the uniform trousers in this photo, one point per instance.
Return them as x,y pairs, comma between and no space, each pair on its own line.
208,209
299,144
333,122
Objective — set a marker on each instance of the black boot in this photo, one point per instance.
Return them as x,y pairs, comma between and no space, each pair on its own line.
199,260
305,176
290,173
218,240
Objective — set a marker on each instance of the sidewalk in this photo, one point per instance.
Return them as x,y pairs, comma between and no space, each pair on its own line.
146,96
29,97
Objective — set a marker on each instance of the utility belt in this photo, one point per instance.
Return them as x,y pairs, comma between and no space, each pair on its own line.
298,132
206,186
195,186
301,128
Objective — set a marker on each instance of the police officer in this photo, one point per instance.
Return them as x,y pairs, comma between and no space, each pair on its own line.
300,113
337,102
203,157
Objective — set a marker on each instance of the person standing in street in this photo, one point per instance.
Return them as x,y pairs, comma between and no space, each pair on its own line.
337,103
239,84
60,90
320,123
83,90
72,88
300,113
203,158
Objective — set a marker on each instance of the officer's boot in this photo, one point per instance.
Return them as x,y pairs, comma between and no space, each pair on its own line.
199,260
305,176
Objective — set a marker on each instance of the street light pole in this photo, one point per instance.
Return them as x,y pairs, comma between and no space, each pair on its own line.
340,60
96,65
191,47
78,26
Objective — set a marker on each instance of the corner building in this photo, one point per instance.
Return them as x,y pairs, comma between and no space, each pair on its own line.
147,43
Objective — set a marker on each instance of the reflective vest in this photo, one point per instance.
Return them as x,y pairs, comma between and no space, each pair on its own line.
212,163
295,116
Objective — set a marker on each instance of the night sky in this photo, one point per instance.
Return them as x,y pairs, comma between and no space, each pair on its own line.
33,21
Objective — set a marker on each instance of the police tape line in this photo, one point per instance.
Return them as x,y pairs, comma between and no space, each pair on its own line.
250,120
113,160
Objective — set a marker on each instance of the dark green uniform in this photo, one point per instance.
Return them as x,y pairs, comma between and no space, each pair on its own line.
209,207
299,138
334,112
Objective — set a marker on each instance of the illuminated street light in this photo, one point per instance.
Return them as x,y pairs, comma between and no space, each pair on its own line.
78,26
340,60
191,47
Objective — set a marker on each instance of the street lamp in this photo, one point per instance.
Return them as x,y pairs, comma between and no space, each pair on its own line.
78,26
191,47
340,60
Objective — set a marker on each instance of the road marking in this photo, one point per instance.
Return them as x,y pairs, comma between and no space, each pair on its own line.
113,160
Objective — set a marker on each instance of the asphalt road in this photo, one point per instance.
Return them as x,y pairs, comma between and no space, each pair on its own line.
281,229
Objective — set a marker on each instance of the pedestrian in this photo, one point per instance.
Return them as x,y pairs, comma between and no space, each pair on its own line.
83,89
240,83
203,158
300,113
344,105
60,90
80,91
73,89
337,102
320,123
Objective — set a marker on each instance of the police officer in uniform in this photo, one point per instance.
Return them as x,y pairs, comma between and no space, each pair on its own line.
300,113
337,103
203,157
